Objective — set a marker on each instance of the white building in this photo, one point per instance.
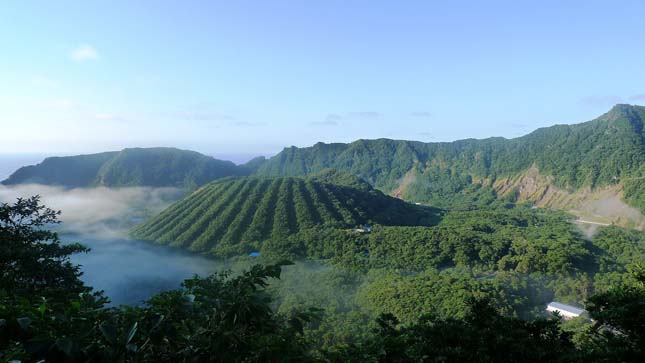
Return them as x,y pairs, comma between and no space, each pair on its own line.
566,311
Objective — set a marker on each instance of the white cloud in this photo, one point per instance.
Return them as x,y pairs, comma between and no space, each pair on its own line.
84,53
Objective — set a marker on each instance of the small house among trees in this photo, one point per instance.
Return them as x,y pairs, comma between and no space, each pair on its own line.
566,311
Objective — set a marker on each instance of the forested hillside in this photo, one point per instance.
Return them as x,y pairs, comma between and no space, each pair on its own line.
238,215
533,254
604,152
131,167
536,255
327,314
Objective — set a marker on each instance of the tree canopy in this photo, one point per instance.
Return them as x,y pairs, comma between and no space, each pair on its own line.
48,314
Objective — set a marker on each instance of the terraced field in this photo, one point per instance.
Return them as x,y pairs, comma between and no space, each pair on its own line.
236,215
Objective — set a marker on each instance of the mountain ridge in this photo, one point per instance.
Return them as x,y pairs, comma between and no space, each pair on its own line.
605,151
156,167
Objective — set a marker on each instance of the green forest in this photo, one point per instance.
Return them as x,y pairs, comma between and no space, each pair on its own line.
280,312
363,255
234,216
524,256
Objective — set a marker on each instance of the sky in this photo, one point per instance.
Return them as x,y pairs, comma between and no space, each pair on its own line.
236,78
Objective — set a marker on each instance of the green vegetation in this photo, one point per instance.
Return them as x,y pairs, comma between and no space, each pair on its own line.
239,215
634,194
605,151
517,257
447,294
155,167
520,239
48,314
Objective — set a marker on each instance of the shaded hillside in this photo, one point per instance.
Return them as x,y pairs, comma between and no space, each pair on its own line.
236,215
162,167
606,151
131,167
70,171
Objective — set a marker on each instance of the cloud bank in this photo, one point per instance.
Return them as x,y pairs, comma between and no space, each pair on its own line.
98,212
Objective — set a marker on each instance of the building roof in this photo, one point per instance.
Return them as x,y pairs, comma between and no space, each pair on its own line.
565,307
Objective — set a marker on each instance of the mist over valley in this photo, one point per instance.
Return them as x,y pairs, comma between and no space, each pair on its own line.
129,271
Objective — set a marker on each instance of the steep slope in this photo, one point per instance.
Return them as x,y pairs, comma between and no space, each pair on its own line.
236,215
129,167
606,151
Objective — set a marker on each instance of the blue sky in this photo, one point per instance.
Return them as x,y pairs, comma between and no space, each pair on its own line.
250,77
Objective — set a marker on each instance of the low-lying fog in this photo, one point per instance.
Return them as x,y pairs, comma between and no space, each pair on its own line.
129,271
97,212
